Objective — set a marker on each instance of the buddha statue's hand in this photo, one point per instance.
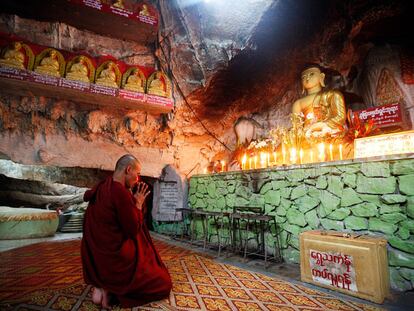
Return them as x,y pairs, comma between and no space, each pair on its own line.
318,129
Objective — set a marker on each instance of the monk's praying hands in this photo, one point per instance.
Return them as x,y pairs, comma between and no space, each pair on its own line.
141,194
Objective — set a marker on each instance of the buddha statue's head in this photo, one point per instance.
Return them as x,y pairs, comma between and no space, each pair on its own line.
17,46
82,59
312,78
53,54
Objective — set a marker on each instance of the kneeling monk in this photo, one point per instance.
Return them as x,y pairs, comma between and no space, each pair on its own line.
118,255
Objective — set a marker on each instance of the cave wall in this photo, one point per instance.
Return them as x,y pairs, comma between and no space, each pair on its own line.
260,78
48,131
220,72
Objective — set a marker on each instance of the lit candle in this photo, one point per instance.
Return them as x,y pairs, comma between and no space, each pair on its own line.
301,156
275,157
268,159
321,152
255,161
223,164
293,157
311,156
340,152
250,163
283,154
244,162
205,170
262,159
330,152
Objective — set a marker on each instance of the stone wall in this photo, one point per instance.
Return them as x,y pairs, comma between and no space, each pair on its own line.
375,198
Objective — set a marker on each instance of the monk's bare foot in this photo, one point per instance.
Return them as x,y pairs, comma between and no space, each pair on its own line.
97,295
105,299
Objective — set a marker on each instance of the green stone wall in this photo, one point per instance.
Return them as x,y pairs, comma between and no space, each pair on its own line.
368,197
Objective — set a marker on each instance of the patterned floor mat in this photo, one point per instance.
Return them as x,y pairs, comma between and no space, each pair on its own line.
199,283
52,266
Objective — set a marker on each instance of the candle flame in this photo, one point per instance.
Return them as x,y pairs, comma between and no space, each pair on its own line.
330,152
293,157
262,159
284,154
244,159
321,152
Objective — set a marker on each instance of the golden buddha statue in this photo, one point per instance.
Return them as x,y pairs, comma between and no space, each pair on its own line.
144,10
13,57
321,113
118,4
107,76
49,65
135,82
157,86
78,71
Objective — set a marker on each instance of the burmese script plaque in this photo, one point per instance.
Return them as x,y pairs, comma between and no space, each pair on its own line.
168,201
96,4
383,145
151,20
103,90
74,85
383,116
131,95
158,100
121,12
44,79
14,73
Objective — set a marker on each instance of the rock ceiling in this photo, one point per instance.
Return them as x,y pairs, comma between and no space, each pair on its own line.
244,56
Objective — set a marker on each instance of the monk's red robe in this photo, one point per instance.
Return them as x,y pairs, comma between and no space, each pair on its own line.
117,251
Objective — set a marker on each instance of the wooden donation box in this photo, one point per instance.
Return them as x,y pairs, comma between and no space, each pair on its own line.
350,263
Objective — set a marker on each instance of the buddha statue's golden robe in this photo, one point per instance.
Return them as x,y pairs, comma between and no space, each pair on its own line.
49,65
327,113
134,83
118,4
107,77
13,57
78,71
157,87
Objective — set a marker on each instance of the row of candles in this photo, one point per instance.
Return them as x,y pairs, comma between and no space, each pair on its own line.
288,156
291,156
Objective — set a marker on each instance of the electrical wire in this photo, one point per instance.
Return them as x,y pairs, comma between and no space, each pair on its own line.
175,82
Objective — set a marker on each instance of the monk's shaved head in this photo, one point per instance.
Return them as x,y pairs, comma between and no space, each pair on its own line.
125,160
